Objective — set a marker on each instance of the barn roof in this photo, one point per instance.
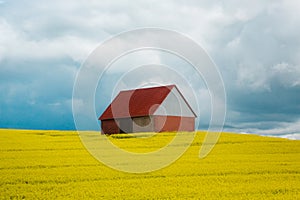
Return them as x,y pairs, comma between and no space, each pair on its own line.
142,102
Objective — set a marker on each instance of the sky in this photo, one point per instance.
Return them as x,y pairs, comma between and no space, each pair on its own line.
255,44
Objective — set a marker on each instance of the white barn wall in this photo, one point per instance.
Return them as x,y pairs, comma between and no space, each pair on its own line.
139,124
174,105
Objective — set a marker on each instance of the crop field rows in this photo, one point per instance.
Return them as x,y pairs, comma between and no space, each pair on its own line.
39,164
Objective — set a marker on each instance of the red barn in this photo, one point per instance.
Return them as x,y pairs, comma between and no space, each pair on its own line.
155,109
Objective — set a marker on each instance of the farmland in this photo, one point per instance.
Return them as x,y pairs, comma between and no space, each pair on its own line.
37,164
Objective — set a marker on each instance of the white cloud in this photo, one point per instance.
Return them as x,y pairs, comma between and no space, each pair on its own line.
290,130
253,76
15,45
282,128
258,77
256,44
288,75
295,136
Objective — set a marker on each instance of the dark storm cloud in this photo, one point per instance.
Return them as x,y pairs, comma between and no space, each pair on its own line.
259,60
37,94
255,44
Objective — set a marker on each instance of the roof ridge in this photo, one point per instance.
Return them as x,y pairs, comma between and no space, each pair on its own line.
152,87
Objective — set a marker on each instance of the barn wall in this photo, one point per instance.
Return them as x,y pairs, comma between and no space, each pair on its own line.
143,124
125,125
148,124
173,123
109,127
174,105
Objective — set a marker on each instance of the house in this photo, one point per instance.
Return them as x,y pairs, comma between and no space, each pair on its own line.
155,109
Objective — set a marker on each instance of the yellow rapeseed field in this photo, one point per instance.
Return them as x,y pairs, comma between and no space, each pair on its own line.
54,165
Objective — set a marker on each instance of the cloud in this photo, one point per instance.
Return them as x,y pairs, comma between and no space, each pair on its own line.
286,74
295,136
282,128
255,44
14,45
289,130
36,94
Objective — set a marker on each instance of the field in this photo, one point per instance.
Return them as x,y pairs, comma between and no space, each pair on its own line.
55,165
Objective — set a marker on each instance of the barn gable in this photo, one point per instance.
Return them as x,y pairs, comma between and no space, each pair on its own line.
175,105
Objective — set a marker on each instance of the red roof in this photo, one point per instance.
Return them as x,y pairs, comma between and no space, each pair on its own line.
139,100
